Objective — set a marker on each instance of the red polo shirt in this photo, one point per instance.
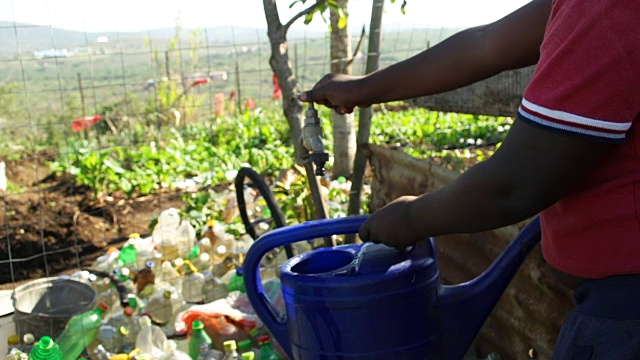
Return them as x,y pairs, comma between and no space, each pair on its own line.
587,83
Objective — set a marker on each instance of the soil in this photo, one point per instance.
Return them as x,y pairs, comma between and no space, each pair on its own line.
51,225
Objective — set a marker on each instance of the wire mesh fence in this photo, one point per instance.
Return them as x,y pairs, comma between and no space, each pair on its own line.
126,86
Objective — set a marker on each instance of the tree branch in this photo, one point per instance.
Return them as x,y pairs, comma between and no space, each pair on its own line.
355,52
302,13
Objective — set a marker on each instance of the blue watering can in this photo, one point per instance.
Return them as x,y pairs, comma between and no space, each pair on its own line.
370,301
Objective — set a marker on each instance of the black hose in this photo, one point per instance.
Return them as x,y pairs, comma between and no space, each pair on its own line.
276,212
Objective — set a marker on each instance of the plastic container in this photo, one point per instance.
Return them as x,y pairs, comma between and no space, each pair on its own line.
199,338
45,349
150,340
266,351
230,350
192,284
128,255
172,236
168,275
128,328
144,277
109,337
160,308
80,331
214,288
171,352
44,306
235,280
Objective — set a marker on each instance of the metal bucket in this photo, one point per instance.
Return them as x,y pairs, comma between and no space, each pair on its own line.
43,306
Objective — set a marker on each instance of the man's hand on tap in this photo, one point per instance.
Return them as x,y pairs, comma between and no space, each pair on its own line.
339,92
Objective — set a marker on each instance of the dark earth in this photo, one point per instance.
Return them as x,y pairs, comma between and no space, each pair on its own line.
51,225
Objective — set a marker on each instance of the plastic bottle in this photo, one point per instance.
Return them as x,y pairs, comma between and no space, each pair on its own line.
235,280
230,350
207,353
45,349
129,254
145,277
249,355
128,327
198,339
150,340
160,307
246,346
266,351
109,337
172,236
80,331
171,352
192,284
168,275
214,288
111,298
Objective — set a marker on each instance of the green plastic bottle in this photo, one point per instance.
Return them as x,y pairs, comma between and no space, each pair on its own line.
128,255
266,351
236,283
80,331
45,349
198,338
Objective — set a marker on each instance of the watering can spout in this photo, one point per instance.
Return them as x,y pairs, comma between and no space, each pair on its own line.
465,307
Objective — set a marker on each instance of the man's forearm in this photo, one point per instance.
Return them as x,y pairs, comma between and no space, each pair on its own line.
464,58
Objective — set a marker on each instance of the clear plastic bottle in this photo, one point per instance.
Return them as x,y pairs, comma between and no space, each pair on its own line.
151,339
168,275
171,352
45,349
230,350
109,337
192,284
111,298
214,288
207,353
160,307
80,331
128,327
199,338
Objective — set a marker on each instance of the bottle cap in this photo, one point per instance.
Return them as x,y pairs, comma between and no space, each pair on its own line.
229,345
166,294
134,236
197,325
342,179
123,330
102,306
211,223
239,270
149,264
133,302
128,311
264,339
13,340
45,343
28,338
195,252
249,355
244,344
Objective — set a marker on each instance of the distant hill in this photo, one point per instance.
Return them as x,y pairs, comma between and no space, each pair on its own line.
29,38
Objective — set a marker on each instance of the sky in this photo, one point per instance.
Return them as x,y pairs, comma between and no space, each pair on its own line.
138,15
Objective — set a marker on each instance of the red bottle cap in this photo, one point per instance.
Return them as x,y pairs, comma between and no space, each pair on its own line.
128,311
102,306
264,339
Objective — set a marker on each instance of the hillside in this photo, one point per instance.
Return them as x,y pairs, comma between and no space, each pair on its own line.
28,38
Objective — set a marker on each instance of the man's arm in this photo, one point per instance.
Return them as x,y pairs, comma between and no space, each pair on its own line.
533,169
462,59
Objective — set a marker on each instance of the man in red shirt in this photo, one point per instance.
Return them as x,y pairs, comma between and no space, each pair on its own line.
573,155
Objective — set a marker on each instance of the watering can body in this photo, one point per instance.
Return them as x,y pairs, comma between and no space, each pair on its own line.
370,301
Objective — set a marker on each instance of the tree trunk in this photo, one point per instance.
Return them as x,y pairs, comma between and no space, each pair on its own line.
364,126
344,135
281,66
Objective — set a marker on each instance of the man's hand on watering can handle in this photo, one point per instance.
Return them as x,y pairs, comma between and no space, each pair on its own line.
393,225
340,92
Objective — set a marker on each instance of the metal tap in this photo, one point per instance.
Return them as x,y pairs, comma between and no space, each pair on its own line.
312,140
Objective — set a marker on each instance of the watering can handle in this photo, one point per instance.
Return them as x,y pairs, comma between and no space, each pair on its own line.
263,307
